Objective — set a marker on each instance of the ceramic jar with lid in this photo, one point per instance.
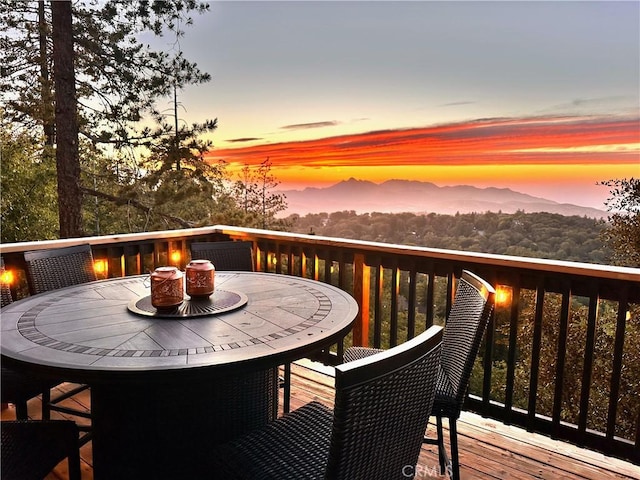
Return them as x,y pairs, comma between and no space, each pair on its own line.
167,288
200,278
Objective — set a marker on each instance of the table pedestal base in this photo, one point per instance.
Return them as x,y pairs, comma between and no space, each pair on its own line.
166,431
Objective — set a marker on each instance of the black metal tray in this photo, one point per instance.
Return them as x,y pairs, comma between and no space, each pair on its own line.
219,302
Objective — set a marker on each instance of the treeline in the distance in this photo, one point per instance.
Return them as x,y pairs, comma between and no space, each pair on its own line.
540,235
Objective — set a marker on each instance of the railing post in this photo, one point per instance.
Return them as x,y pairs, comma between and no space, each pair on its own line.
361,282
132,261
115,262
260,257
303,263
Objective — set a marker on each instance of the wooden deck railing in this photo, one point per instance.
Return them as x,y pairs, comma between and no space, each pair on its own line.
561,355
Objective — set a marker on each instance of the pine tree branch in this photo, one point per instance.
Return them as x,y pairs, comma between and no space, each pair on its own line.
136,204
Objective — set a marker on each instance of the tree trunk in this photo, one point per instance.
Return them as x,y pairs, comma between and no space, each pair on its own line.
48,121
67,154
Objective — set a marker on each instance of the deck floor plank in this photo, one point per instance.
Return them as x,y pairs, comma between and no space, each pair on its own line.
488,449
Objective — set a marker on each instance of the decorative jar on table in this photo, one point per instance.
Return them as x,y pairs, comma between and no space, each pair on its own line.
200,278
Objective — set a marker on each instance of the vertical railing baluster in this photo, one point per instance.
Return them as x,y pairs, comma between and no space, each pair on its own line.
304,263
377,325
291,260
487,359
259,254
616,371
278,255
132,260
393,322
361,287
147,257
342,271
535,354
160,253
315,265
451,292
588,360
411,314
560,360
115,262
514,317
431,278
328,267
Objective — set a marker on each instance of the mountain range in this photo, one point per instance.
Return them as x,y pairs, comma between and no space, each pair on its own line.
396,196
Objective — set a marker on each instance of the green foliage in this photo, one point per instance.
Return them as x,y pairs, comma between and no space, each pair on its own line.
575,350
118,81
28,187
142,169
539,235
623,230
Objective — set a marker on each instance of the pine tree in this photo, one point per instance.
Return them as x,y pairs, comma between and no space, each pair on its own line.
254,191
117,79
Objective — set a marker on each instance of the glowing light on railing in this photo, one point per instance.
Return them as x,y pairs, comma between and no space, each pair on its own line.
100,267
175,257
7,277
503,295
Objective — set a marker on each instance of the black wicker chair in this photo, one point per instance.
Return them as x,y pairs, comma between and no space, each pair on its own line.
31,449
18,388
225,255
464,329
55,268
59,267
375,430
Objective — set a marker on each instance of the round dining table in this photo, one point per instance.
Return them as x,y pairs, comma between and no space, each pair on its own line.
168,386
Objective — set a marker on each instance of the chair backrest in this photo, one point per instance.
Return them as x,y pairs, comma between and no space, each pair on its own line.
463,332
381,410
230,255
59,267
5,291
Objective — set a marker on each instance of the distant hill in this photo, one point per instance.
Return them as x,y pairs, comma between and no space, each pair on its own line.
395,196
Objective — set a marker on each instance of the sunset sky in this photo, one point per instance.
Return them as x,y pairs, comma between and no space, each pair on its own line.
541,97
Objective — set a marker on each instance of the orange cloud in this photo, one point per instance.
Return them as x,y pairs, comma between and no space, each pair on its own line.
502,141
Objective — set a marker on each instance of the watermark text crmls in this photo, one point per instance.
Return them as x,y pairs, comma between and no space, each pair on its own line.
423,471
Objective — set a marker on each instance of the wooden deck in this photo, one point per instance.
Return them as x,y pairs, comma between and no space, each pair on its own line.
488,449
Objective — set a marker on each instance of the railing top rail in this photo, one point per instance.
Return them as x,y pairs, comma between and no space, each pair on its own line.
108,239
536,264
